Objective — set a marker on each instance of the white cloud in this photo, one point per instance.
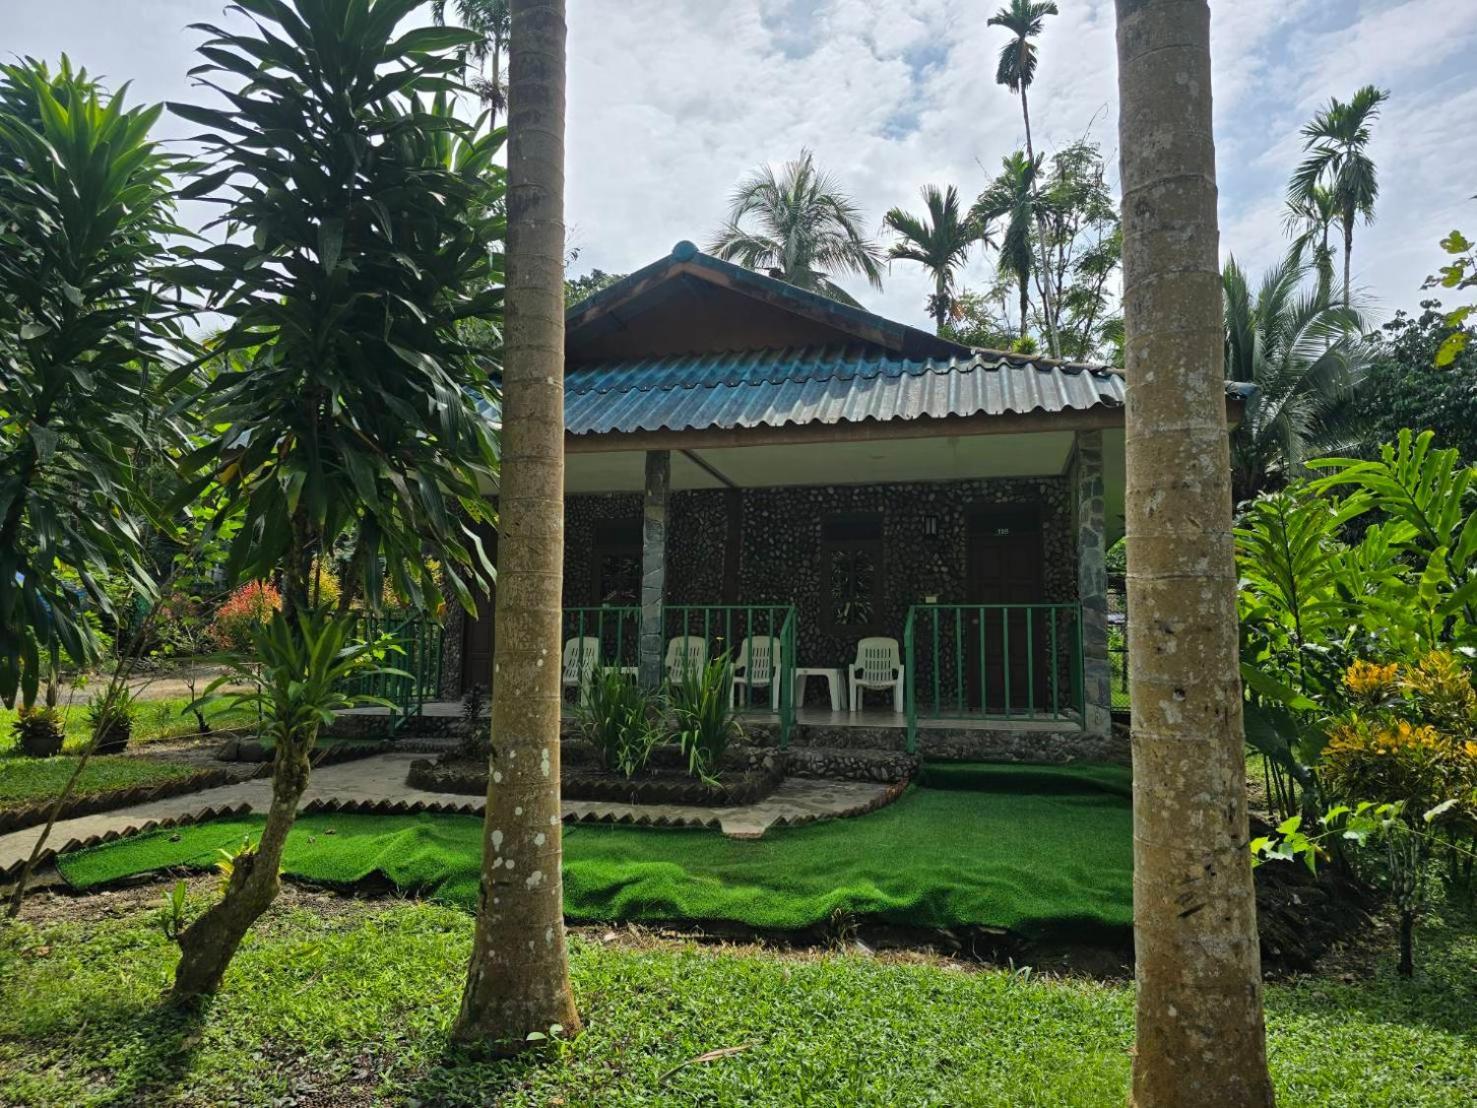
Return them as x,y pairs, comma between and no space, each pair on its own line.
673,101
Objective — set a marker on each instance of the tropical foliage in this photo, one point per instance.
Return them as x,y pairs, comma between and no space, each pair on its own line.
1359,618
938,241
799,227
1337,172
344,390
493,23
1404,389
86,200
1459,273
1011,199
1308,362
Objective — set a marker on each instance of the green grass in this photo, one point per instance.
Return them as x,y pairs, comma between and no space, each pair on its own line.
354,1009
153,720
1019,857
24,781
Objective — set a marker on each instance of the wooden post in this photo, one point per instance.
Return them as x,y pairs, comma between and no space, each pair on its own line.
654,565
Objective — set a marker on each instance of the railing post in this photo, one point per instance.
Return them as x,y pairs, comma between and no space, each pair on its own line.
910,680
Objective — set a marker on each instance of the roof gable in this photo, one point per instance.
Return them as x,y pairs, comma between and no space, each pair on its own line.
693,303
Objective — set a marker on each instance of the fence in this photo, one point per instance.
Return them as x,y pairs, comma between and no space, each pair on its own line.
417,657
1011,662
613,635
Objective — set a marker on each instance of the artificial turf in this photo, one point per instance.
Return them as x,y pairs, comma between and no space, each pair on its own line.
1019,854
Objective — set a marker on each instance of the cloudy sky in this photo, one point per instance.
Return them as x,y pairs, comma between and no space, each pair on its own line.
673,101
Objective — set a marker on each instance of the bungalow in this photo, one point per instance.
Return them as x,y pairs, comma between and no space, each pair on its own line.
879,527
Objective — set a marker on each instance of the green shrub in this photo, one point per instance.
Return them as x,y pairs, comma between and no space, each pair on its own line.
110,716
38,731
703,716
619,718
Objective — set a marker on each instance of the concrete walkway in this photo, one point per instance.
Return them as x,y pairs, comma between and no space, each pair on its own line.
381,779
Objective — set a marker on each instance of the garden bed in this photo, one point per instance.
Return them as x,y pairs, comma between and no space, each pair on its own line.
29,787
328,751
747,775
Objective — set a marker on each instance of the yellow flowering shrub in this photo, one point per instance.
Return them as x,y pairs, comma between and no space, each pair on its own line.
1412,736
1371,681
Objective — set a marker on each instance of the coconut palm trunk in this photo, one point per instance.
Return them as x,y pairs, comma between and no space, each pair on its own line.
1200,1034
518,979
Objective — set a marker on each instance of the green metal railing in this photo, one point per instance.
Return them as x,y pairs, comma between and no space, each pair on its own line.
724,627
418,639
992,661
615,628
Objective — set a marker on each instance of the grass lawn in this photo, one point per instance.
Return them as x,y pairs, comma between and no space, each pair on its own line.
23,781
1009,853
333,1002
154,719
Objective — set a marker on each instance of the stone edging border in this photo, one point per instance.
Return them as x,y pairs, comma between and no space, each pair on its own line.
204,815
33,815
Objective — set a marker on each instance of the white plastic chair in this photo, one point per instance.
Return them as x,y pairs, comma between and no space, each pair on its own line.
878,665
687,655
581,656
758,666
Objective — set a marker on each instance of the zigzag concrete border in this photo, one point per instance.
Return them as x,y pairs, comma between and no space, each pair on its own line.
204,815
33,815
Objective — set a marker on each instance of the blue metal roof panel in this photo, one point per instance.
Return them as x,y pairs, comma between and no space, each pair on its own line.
772,388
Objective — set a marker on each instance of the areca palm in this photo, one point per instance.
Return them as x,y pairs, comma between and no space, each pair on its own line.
1016,70
492,20
1308,362
1337,141
938,241
1308,219
1024,19
1012,197
806,230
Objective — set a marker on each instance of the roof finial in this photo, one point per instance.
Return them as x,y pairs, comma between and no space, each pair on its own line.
684,251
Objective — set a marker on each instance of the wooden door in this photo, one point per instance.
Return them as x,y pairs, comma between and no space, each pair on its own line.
1005,567
479,635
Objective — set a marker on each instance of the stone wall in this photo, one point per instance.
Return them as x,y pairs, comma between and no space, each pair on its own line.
778,532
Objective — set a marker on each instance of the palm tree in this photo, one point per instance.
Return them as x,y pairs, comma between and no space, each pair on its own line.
1308,361
1308,219
939,242
490,19
518,977
1016,70
1337,139
1200,1034
1012,197
808,230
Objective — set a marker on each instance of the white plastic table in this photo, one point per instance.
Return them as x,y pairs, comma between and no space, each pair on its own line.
833,681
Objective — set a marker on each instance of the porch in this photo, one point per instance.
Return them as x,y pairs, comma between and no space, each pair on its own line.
983,573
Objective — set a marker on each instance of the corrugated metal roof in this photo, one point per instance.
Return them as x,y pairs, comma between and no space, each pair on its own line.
772,388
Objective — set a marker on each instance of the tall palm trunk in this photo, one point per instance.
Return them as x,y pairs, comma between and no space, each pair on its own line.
1349,217
518,980
1200,1035
1048,294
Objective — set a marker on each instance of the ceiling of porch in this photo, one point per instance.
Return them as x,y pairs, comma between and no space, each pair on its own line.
866,461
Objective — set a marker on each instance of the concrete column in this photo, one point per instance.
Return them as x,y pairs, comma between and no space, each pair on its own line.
1092,580
654,565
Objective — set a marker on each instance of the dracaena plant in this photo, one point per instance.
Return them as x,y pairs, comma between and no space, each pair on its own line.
360,221
85,211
